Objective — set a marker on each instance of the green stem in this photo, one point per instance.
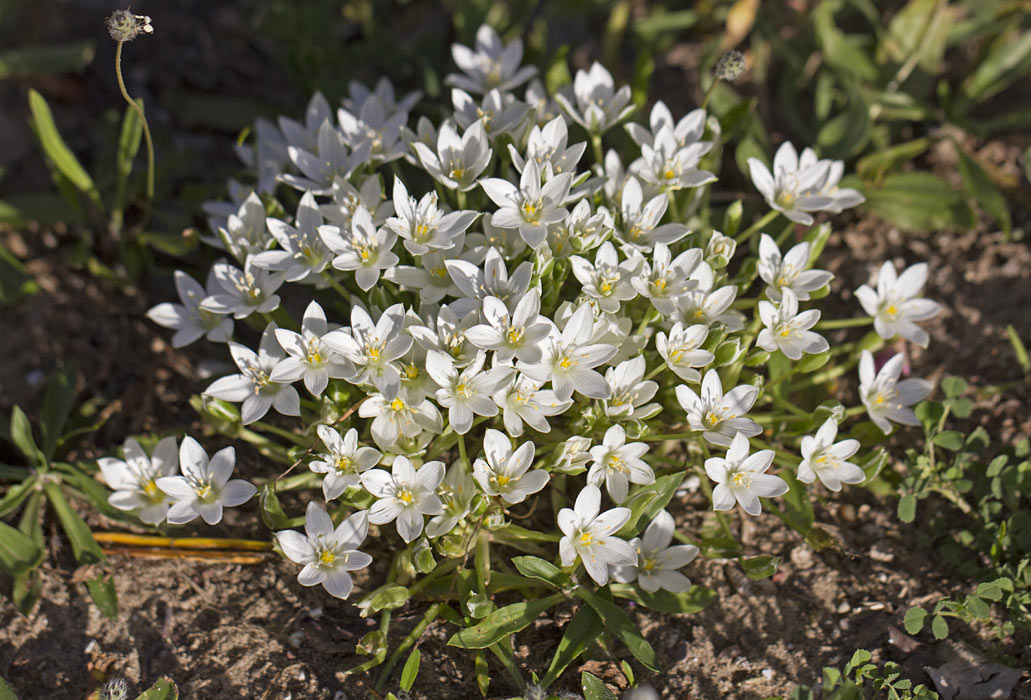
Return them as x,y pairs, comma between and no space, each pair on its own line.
276,430
657,370
412,638
335,284
461,199
599,157
670,436
143,119
708,93
755,228
834,324
674,208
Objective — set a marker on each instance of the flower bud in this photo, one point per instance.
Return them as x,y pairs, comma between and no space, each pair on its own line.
125,26
730,66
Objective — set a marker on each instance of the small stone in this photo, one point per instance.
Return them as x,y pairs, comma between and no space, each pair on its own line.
802,557
847,512
878,554
844,607
767,673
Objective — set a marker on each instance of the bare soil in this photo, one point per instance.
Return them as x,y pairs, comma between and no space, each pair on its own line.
232,631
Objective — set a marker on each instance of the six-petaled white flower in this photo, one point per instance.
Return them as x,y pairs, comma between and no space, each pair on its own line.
589,535
885,397
789,271
618,464
740,477
826,460
895,305
720,416
404,494
343,462
787,330
506,473
134,479
657,562
309,358
254,386
329,554
204,487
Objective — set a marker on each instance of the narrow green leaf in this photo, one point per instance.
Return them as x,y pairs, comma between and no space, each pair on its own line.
57,405
15,280
1019,348
914,620
84,547
694,600
535,567
21,436
44,61
128,146
646,503
164,689
6,692
410,670
983,190
1000,68
18,552
482,671
56,150
594,689
617,622
102,590
917,201
907,508
580,633
15,496
502,622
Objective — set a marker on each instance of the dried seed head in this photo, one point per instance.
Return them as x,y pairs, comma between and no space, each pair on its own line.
125,26
730,66
115,689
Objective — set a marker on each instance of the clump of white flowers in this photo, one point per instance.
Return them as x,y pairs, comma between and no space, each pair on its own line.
509,346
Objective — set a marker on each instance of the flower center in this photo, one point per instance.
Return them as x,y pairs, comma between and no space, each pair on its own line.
327,557
742,479
405,494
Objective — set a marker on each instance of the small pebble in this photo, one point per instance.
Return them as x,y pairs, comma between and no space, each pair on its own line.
802,557
767,673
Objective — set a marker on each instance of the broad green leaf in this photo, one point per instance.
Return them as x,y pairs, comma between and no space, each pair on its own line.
44,61
660,20
646,503
411,670
6,692
983,190
990,590
21,436
847,133
841,51
694,600
57,405
102,590
15,281
1002,66
954,386
18,552
617,622
535,567
939,627
917,201
56,150
503,622
594,689
811,363
580,633
164,689
914,620
907,508
918,33
84,547
949,439
760,567
877,164
387,597
978,607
